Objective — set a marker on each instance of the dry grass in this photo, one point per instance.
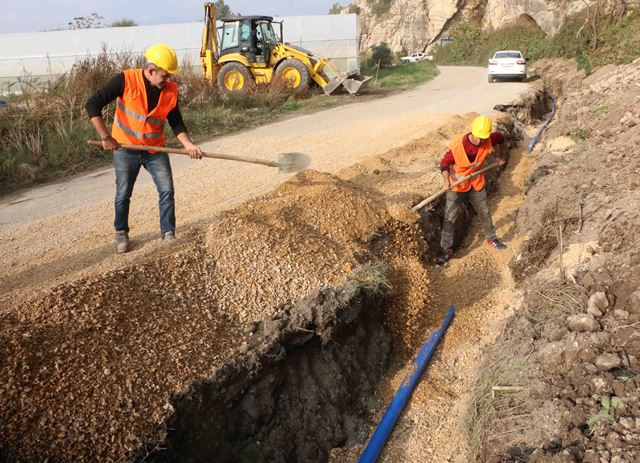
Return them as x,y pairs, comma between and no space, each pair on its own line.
504,419
45,128
486,405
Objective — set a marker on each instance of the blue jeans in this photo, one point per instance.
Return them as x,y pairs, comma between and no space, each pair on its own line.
127,165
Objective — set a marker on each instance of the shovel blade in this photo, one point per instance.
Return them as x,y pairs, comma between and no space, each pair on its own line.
292,162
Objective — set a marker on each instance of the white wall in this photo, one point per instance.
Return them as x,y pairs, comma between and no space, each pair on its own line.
40,55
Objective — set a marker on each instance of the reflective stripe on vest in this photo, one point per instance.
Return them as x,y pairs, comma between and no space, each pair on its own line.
140,117
462,167
131,123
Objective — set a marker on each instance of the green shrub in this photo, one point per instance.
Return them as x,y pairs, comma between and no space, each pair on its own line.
382,54
464,48
578,134
336,8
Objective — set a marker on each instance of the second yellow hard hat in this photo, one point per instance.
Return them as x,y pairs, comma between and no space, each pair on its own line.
481,127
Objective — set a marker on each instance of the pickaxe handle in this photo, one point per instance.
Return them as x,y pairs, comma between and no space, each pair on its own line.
431,198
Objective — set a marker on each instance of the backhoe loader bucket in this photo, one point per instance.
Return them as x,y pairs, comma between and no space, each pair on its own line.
352,83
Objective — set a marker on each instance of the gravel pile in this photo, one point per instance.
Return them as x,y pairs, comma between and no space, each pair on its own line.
88,370
307,234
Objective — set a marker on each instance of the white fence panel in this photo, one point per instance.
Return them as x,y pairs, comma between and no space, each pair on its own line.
42,55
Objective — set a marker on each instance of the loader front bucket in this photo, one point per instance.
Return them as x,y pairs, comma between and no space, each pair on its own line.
352,82
356,83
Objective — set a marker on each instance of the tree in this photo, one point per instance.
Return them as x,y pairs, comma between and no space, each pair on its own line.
222,10
92,21
336,8
381,53
124,22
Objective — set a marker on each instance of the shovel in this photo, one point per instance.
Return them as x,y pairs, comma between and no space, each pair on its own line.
285,162
434,196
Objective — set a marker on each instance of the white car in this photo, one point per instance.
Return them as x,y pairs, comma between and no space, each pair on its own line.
508,64
415,57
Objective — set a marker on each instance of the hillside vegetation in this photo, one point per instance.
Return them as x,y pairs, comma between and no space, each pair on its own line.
592,43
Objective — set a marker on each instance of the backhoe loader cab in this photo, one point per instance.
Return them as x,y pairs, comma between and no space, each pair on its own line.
250,36
249,51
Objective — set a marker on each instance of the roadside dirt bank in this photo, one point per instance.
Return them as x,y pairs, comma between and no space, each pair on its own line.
573,348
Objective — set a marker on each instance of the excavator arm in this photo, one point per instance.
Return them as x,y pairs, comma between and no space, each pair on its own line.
209,50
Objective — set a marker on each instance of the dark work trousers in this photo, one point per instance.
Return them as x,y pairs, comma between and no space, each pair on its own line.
478,200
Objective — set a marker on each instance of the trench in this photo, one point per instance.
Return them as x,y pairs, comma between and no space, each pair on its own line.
303,383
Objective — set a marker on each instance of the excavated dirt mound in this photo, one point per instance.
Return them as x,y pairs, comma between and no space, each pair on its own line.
309,233
575,348
88,370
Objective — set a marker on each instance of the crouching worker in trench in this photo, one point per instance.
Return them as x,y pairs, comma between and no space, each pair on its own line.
145,99
467,154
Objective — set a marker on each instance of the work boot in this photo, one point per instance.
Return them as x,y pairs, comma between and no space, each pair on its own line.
496,243
169,237
122,241
444,256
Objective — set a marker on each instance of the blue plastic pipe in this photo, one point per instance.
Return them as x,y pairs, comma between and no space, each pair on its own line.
380,436
534,139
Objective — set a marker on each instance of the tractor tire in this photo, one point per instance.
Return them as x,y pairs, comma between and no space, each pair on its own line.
295,74
234,78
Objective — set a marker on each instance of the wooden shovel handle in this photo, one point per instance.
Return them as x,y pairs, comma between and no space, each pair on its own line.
165,149
430,199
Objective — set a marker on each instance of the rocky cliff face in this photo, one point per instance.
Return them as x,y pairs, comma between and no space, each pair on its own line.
414,25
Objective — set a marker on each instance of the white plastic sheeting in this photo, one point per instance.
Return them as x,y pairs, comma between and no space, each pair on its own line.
333,36
40,55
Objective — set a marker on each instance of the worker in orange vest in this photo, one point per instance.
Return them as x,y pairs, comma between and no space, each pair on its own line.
466,155
146,98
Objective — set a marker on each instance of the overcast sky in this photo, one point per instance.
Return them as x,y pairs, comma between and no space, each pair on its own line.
42,15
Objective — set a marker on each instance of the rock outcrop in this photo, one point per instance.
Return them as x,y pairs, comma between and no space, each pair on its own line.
415,25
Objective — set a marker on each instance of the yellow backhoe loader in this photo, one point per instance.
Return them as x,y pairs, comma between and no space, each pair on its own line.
250,52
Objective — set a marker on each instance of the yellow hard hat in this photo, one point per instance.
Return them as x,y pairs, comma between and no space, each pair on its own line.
163,56
481,127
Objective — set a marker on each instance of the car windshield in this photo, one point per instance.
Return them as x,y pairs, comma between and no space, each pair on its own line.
508,54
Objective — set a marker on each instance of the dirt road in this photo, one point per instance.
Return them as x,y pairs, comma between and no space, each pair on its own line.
57,232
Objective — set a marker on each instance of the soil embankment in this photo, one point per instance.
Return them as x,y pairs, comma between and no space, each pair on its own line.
574,346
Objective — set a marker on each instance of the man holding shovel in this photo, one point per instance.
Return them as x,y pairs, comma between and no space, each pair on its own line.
146,98
466,155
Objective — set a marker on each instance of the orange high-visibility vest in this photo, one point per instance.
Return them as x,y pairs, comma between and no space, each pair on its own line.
132,123
462,167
